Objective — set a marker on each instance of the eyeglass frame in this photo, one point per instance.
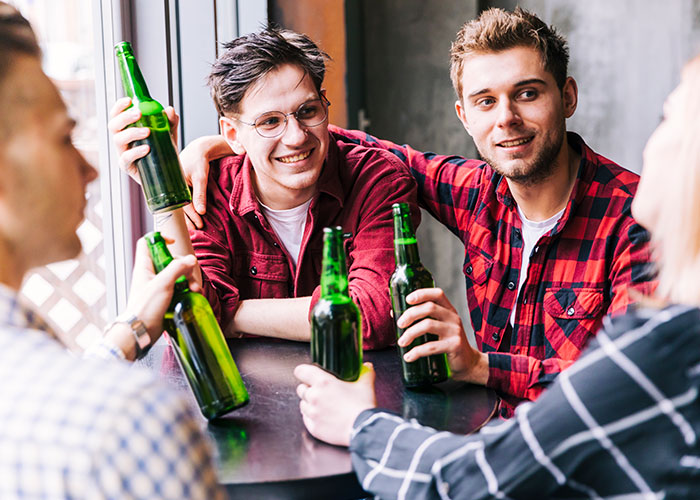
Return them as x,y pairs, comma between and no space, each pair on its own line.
324,101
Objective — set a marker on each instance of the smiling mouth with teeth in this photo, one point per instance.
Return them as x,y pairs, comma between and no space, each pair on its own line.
510,144
295,158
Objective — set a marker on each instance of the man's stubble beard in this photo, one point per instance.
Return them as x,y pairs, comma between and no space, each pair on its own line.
538,170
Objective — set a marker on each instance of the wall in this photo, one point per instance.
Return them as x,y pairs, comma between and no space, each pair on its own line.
409,99
324,22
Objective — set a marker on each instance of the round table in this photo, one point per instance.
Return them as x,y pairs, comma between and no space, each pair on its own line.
264,451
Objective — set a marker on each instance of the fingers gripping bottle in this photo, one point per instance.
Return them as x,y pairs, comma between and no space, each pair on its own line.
410,275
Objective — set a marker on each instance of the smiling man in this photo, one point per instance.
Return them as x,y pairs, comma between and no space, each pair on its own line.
551,245
261,241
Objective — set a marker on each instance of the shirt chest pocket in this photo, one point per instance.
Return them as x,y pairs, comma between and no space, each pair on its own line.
260,276
477,267
572,316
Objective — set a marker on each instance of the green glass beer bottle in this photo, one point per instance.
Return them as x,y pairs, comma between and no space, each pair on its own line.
161,174
408,276
198,343
336,326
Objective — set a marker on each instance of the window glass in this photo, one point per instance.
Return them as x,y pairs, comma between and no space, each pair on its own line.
71,295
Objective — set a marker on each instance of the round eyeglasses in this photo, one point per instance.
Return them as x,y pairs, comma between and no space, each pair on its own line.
273,123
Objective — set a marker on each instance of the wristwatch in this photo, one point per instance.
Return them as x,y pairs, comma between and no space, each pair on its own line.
138,329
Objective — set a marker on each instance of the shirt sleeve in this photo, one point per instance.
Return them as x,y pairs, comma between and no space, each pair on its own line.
448,186
397,458
154,448
636,383
215,259
632,266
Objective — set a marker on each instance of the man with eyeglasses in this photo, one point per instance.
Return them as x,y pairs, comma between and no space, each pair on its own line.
261,241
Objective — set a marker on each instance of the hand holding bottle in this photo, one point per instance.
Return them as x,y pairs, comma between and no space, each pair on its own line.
150,293
432,312
120,117
330,406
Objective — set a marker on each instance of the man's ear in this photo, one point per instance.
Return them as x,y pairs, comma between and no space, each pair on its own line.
459,109
569,96
229,130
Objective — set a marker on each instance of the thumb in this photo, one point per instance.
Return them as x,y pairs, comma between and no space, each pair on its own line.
367,373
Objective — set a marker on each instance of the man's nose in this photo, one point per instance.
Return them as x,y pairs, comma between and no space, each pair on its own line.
507,114
295,133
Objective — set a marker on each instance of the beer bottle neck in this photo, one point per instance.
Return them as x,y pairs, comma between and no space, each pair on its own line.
132,78
406,251
405,244
334,275
161,257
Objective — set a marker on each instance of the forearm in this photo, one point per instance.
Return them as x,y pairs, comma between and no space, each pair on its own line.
279,318
172,226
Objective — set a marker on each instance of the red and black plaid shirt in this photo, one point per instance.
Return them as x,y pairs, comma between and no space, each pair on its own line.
580,271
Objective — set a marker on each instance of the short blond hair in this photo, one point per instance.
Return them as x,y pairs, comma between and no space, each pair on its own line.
496,30
676,237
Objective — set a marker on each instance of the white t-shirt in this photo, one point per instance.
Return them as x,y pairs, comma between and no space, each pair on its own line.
289,226
532,232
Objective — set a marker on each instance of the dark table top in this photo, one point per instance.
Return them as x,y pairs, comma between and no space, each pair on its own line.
263,449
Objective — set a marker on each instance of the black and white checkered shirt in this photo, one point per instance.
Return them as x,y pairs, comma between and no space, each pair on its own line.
621,422
90,429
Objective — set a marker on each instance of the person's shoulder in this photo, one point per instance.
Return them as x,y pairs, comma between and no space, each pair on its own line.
362,160
607,178
675,320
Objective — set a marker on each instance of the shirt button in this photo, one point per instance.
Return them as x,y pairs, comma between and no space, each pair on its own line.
253,270
275,244
469,270
511,285
494,336
570,311
525,300
537,249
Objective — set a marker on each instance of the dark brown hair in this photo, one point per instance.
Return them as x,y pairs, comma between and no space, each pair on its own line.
250,57
16,36
496,30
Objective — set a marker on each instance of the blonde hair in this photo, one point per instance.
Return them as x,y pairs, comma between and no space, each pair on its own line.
676,237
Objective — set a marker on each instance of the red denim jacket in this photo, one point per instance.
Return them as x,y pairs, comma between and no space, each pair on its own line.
242,258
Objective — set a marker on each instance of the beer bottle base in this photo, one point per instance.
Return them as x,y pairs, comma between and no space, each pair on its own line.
166,205
221,407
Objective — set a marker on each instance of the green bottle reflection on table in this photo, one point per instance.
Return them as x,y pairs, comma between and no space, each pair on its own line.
408,276
336,326
161,175
198,343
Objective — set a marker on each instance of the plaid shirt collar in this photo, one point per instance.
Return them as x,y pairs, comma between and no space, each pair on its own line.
586,172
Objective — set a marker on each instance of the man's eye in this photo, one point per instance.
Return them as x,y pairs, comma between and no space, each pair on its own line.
485,102
307,111
268,121
528,94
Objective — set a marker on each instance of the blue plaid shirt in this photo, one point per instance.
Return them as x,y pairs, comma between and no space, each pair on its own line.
89,428
621,422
